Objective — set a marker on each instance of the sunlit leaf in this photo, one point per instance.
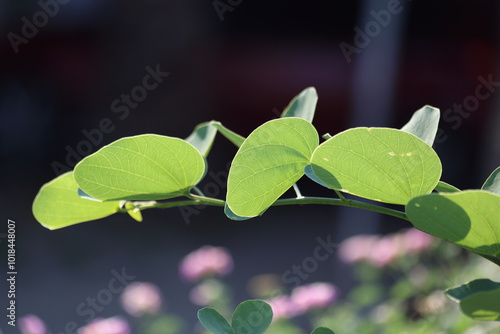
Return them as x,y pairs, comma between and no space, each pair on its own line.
302,105
252,317
133,211
381,164
493,182
268,163
231,215
146,167
443,187
310,174
58,204
469,218
203,137
235,138
424,124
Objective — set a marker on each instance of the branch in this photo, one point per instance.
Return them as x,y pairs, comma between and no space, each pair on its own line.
340,202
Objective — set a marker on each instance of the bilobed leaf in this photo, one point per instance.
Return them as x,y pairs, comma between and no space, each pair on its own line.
381,164
214,321
58,204
268,163
252,317
466,290
424,124
82,194
478,299
203,137
493,182
235,138
231,215
322,330
468,218
302,105
310,174
482,306
145,167
443,187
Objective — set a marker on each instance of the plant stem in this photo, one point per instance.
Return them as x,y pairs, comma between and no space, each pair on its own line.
297,191
339,194
346,202
194,200
202,200
198,191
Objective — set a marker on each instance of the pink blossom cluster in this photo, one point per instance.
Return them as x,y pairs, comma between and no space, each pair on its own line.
141,298
381,251
31,324
138,298
303,299
114,325
205,262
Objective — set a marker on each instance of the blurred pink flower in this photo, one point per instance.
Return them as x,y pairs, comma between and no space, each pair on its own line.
357,248
115,325
283,307
140,298
386,250
416,241
31,324
206,261
312,296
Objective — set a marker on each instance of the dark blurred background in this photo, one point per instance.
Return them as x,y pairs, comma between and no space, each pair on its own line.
240,66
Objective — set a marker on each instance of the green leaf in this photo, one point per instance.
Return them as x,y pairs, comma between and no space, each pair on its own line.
469,218
478,299
443,187
493,182
58,205
83,195
424,124
233,137
133,211
203,137
310,174
214,321
302,105
482,306
252,317
381,164
322,330
146,167
466,290
268,163
231,215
